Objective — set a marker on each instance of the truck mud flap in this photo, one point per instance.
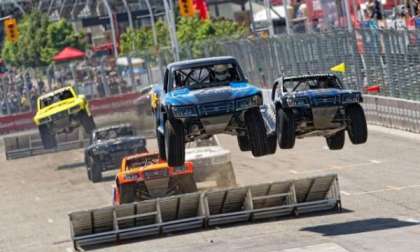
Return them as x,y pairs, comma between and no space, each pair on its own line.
204,209
30,144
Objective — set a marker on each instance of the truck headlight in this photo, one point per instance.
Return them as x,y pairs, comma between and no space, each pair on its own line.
74,109
184,111
351,98
248,102
297,102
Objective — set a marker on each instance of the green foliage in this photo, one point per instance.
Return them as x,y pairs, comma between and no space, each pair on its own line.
39,41
192,34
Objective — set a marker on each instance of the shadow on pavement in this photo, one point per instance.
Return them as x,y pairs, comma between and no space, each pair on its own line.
360,226
70,166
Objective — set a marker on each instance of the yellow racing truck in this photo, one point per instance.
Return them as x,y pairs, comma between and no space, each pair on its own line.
62,111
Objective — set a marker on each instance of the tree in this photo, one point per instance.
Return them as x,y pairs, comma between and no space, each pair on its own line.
39,41
192,34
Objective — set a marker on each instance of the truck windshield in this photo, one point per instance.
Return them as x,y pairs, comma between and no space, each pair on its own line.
51,99
206,76
113,133
304,84
141,162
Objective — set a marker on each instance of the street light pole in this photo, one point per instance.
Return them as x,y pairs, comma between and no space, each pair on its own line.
155,39
111,21
267,6
172,29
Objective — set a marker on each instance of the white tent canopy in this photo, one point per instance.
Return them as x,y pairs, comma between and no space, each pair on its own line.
261,15
136,62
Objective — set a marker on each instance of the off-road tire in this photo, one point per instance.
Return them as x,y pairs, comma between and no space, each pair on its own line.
243,143
336,141
127,193
357,126
174,143
95,171
186,184
161,145
257,133
285,128
87,122
47,137
271,144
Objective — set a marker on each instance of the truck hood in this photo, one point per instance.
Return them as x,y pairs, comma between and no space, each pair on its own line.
322,92
186,96
58,107
118,143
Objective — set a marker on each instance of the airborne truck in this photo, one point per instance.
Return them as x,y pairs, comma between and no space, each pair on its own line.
62,111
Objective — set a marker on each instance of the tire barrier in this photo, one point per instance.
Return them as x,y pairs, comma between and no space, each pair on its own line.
194,211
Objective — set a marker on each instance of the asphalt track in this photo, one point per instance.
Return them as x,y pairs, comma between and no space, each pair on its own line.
380,186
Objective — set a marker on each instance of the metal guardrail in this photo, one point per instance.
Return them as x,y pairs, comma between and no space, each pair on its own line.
206,209
30,144
392,112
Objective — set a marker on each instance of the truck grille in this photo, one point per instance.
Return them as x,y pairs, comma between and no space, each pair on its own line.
155,174
325,100
216,108
59,116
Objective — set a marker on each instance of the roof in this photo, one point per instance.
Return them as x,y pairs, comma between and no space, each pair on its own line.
141,155
55,92
201,62
122,125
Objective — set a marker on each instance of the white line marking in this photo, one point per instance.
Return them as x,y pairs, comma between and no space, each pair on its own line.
373,161
345,193
50,221
293,171
69,249
394,188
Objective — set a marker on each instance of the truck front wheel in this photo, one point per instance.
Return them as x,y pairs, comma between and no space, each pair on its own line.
286,129
47,137
357,126
174,143
87,122
336,141
256,132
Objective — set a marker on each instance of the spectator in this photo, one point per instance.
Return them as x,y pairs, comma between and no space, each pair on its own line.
374,7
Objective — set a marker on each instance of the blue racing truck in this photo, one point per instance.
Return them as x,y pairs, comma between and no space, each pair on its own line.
203,97
317,105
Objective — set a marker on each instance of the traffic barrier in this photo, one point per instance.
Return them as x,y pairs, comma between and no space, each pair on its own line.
30,144
392,112
204,209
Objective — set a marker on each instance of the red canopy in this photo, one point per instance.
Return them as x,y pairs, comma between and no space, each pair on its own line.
69,53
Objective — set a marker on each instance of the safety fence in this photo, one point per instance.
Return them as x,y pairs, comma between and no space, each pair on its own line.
204,209
393,112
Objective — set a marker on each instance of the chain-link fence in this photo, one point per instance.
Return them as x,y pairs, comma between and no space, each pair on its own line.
388,58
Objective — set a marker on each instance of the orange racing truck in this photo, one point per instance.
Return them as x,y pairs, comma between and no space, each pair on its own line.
144,176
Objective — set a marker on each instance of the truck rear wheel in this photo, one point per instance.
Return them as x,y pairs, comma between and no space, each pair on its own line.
286,129
47,137
243,143
161,145
87,122
336,141
257,133
186,184
357,126
174,143
95,171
